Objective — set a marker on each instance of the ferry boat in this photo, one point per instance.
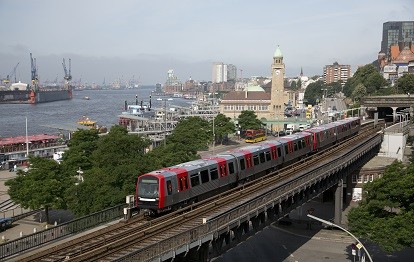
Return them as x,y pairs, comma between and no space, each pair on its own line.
15,150
86,121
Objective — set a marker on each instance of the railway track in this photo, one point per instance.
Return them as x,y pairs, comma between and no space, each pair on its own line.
117,241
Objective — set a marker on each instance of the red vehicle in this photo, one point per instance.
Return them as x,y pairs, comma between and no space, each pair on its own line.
180,185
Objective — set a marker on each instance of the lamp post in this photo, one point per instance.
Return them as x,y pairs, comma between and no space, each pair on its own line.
343,229
27,142
165,117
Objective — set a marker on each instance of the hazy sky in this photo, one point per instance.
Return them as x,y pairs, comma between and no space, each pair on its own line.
143,39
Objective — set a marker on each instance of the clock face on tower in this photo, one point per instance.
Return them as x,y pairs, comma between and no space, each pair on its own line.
277,72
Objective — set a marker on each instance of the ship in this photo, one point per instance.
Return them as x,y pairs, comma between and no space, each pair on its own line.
20,93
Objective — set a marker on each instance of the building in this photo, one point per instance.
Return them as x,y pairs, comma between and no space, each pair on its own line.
219,72
231,72
336,72
267,105
172,84
396,33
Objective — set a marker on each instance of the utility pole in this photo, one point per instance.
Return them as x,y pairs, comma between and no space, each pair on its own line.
165,118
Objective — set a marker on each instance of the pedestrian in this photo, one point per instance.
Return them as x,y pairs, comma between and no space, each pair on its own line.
15,168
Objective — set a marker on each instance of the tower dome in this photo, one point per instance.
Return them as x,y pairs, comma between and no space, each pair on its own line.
278,53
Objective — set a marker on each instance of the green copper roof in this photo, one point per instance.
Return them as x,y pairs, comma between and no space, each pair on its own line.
254,88
278,53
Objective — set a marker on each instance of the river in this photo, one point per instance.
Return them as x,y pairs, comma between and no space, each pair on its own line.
103,106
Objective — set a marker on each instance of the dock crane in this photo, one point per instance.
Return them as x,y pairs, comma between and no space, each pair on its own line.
34,73
68,75
11,74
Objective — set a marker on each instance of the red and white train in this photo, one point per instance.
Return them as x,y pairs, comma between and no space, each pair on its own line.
177,186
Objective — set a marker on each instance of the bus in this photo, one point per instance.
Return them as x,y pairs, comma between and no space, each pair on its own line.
255,135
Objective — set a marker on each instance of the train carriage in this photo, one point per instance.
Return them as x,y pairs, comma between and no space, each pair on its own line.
182,184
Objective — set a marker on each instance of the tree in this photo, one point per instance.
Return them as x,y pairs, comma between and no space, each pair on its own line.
223,127
117,161
42,186
368,76
248,120
314,92
405,84
359,92
192,129
386,213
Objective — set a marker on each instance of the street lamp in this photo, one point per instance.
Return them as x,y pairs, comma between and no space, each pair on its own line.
334,225
165,117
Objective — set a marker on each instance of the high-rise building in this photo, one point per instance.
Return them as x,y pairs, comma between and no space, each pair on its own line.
336,72
396,32
231,72
219,72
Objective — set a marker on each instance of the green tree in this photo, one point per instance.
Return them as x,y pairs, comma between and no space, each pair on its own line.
223,126
42,186
314,92
405,84
248,120
119,158
194,133
368,76
359,92
386,213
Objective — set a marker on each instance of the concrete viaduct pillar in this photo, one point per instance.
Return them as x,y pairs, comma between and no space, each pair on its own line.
338,203
394,114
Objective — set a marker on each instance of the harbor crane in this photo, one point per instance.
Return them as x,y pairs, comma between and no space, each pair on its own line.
10,75
68,75
34,73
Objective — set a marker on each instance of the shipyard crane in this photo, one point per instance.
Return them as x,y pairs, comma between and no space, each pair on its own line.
11,74
68,75
34,73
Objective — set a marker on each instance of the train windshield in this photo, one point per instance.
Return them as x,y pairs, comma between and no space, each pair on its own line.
148,187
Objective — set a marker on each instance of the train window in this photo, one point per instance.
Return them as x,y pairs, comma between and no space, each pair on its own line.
262,157
296,146
213,174
231,168
286,149
303,143
242,164
256,160
268,156
279,152
169,187
195,181
204,176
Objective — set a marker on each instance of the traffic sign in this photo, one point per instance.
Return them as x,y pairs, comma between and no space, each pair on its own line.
359,245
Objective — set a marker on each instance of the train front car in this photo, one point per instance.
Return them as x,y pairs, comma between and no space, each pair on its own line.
149,192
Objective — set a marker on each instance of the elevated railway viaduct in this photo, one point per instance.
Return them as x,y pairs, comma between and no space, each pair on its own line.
220,223
395,106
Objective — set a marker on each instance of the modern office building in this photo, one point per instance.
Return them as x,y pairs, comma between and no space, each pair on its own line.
219,71
396,33
336,72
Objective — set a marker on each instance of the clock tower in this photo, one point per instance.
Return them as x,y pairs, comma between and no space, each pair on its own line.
277,107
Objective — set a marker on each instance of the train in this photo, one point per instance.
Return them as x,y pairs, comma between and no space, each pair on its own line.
174,187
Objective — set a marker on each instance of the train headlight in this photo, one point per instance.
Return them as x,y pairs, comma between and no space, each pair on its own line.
156,199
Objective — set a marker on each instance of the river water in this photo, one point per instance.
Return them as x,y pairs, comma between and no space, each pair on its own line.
103,106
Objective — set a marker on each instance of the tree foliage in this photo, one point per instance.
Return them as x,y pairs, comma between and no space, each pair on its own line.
223,126
248,120
116,163
405,84
314,92
386,213
194,129
369,77
43,186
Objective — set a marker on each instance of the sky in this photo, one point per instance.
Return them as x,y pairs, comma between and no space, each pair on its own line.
141,40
